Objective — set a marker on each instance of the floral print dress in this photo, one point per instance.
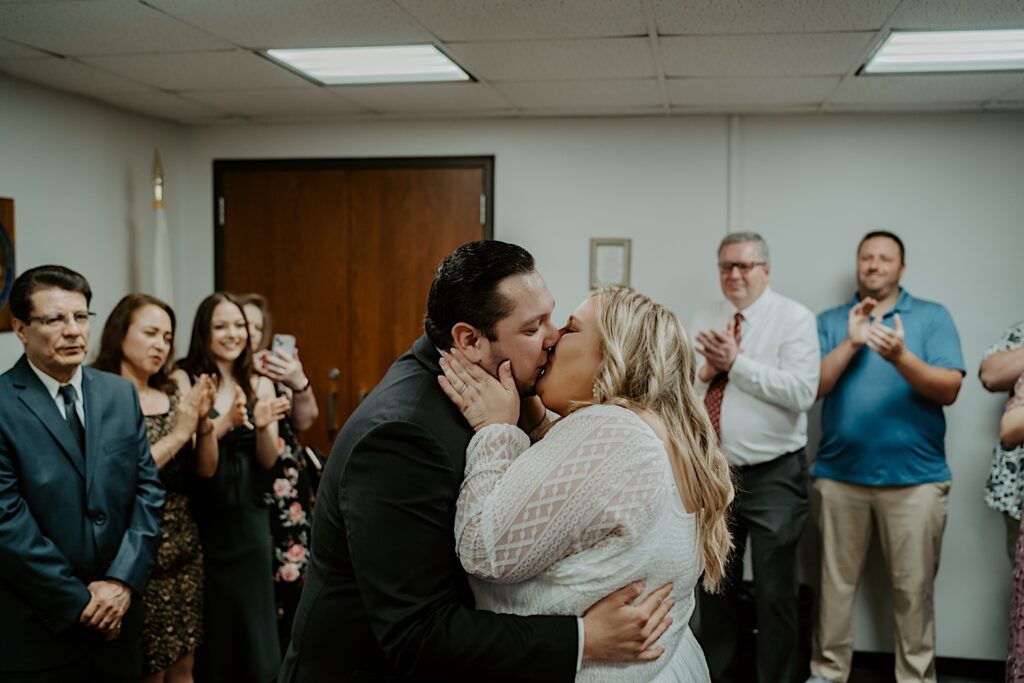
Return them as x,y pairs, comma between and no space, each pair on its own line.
1004,489
290,501
1015,656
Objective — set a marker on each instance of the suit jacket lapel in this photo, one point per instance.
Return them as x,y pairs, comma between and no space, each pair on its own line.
91,403
36,398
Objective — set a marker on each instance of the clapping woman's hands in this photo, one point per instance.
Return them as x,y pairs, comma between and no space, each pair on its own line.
482,399
239,413
270,410
195,405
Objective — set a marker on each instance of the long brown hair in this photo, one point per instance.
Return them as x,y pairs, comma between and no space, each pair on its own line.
649,364
200,359
111,353
260,302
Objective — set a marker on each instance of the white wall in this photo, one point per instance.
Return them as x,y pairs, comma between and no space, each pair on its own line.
80,176
950,185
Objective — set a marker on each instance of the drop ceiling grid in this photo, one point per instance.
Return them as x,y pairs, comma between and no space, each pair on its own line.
532,57
262,24
100,27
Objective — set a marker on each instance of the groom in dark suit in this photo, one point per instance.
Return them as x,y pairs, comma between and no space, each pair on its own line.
386,598
80,500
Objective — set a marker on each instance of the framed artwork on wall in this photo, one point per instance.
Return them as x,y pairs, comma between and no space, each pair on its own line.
609,262
6,260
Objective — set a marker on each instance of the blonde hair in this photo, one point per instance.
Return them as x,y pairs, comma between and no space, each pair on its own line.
649,364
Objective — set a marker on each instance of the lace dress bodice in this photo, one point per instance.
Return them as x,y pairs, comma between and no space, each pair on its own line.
554,527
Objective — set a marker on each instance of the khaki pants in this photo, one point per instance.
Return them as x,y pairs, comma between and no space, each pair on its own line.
910,521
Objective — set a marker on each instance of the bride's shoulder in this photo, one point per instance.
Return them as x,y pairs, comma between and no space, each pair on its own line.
605,416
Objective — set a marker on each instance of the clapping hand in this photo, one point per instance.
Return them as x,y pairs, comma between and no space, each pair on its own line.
196,404
858,326
238,416
887,342
719,348
281,368
482,399
269,410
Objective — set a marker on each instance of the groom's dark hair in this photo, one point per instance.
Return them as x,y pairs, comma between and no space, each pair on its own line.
465,288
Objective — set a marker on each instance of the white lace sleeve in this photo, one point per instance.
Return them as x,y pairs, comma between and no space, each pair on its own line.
597,477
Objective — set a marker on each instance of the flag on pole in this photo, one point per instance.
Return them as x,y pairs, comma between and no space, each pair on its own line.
163,286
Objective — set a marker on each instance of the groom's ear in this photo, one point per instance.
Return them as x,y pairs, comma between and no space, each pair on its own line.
471,341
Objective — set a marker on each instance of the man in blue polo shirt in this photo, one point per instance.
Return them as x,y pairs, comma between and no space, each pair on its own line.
890,362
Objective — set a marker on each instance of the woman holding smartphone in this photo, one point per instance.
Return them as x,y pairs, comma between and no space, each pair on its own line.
291,497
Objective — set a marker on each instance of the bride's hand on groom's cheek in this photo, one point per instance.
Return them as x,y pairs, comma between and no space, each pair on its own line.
482,399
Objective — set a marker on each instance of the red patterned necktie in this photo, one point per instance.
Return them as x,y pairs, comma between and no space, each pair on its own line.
716,390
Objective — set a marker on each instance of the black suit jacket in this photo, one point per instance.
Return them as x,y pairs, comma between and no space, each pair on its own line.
385,597
68,518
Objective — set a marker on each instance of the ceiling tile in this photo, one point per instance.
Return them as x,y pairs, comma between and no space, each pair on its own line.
575,95
749,92
528,19
299,23
923,89
233,69
552,60
100,27
305,101
162,105
959,14
70,75
799,54
770,16
419,97
9,50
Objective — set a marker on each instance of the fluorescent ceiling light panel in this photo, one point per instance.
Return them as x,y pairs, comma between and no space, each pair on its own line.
945,51
388,64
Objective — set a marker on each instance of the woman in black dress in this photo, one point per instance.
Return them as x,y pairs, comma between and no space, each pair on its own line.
137,344
241,635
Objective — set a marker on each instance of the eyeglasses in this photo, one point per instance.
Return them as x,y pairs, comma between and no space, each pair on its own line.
725,267
59,322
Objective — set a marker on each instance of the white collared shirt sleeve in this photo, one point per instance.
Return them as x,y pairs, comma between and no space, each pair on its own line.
791,382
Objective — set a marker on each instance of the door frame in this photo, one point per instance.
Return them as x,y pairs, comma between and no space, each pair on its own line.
220,166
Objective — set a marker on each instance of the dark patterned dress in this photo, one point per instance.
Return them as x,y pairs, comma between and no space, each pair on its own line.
240,644
173,599
290,500
1015,654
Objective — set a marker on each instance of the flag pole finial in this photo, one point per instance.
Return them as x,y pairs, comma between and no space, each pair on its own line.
158,181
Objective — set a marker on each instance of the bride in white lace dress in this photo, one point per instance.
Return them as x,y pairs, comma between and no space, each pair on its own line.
627,484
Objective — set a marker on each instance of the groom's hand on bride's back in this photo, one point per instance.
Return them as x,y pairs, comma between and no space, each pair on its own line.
617,630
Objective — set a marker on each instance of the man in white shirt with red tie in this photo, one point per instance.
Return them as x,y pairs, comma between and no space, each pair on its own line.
758,365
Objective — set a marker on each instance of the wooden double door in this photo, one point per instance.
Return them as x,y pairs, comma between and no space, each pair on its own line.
345,252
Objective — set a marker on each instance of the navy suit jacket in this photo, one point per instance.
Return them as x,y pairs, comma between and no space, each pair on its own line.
68,518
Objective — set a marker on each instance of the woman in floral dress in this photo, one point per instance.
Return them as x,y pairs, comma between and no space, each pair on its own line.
291,497
1011,434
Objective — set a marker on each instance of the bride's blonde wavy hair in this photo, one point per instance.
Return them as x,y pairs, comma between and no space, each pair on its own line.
649,364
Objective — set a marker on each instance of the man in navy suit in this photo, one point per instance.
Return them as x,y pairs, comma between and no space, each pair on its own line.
80,500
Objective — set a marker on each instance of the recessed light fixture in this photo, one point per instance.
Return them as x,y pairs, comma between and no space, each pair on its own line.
386,64
937,51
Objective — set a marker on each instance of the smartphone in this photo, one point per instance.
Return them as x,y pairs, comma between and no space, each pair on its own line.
284,344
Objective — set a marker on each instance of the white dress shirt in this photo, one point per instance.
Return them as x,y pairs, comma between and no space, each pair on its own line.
53,388
773,381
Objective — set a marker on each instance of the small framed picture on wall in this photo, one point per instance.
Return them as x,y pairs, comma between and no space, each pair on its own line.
609,262
6,261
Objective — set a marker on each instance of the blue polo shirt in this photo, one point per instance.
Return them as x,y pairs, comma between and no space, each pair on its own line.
876,430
